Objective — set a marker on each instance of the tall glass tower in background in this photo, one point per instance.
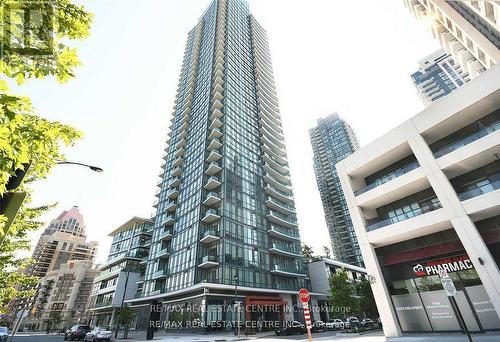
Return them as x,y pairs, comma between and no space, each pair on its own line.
225,209
333,140
437,76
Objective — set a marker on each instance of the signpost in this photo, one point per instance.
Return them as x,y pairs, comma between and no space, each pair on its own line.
304,298
451,291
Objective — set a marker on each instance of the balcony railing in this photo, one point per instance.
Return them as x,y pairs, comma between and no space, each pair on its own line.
208,261
481,132
480,190
392,175
285,248
287,269
424,208
209,236
287,232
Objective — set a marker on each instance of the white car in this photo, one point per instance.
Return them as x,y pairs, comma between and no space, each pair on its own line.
333,324
98,334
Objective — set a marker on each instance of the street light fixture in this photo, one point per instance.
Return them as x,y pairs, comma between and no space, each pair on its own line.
92,167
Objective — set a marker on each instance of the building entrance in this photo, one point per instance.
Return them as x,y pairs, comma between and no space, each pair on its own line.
421,303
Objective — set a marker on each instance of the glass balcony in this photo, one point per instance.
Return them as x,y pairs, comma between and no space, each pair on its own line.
480,188
214,156
176,172
390,176
172,193
210,216
174,182
215,133
165,235
214,144
481,128
212,183
178,162
170,206
169,220
288,271
103,304
160,274
281,219
404,213
288,234
163,253
285,249
280,206
209,236
208,261
216,123
213,168
281,195
212,198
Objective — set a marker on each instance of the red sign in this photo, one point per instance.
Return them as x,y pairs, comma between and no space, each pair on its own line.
452,264
304,295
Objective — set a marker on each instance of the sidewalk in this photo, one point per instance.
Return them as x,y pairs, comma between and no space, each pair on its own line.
220,337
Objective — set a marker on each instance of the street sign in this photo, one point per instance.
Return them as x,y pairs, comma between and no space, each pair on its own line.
304,295
304,298
448,285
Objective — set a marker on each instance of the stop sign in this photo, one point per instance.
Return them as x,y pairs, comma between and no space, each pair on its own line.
304,295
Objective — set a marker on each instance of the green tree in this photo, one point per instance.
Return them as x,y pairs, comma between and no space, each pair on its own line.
326,252
341,293
40,47
366,300
307,252
25,137
124,317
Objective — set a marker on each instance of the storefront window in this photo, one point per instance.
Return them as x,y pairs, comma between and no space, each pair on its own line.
409,308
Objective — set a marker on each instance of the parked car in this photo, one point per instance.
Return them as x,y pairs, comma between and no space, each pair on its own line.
367,323
318,326
77,332
353,322
98,334
334,324
289,328
4,334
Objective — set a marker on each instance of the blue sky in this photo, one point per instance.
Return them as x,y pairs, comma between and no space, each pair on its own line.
354,57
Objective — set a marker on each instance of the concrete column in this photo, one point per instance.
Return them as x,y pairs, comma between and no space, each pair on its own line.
380,292
464,227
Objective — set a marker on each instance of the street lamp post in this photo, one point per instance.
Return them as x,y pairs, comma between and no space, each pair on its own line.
92,167
61,162
236,306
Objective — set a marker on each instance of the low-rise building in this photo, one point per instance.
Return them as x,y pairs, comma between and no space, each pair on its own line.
62,296
121,276
425,199
320,272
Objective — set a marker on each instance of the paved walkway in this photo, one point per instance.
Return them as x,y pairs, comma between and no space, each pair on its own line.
329,336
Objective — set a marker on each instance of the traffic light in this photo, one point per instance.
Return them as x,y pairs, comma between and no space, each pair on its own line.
12,200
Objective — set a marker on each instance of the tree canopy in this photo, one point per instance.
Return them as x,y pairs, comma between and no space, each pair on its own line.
35,44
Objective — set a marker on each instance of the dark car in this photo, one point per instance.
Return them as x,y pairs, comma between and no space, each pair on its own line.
367,323
4,334
318,326
290,328
352,323
77,332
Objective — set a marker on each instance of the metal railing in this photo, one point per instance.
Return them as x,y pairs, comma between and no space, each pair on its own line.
481,132
479,191
390,176
424,208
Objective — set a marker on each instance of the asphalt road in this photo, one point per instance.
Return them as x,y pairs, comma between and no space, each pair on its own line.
37,338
